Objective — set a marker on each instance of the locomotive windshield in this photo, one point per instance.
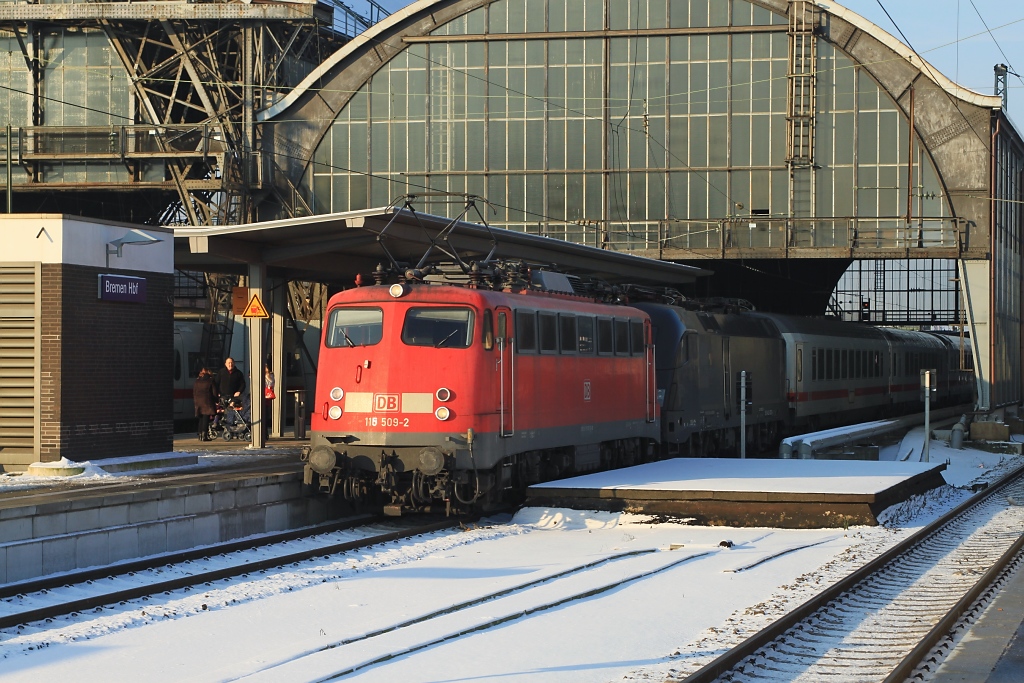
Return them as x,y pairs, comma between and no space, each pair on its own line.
355,327
438,327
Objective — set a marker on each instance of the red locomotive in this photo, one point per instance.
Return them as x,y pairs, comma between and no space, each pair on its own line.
455,394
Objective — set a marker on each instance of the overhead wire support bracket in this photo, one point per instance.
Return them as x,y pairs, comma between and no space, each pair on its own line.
442,242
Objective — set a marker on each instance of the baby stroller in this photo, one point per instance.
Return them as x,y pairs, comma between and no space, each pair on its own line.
231,420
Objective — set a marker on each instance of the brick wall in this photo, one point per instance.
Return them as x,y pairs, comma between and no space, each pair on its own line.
106,367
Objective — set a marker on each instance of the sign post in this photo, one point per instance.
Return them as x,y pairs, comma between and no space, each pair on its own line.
927,377
254,315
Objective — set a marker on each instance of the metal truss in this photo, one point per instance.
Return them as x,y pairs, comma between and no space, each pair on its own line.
198,73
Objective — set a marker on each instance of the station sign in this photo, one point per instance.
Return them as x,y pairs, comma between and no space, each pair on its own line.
239,300
122,288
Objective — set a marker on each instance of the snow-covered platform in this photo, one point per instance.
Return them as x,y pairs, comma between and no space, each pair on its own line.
121,509
793,494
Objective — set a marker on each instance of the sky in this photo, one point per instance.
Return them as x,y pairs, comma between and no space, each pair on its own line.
951,34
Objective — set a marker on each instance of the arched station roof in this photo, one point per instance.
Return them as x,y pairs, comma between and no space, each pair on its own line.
952,122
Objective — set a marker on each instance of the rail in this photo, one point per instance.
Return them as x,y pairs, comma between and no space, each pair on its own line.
247,567
737,655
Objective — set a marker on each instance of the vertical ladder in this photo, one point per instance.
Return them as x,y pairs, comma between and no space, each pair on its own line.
216,342
801,100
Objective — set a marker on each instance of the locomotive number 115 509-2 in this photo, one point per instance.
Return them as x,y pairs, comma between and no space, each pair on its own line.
387,422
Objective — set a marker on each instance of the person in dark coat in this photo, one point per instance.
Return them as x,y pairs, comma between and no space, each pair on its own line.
230,381
204,395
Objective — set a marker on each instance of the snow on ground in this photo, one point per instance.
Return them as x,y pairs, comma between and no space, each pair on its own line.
93,474
585,596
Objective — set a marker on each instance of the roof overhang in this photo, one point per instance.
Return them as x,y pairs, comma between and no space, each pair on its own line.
335,247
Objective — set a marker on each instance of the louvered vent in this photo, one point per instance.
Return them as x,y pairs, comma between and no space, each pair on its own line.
18,362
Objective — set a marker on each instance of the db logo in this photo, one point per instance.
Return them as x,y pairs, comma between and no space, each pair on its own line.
385,403
586,390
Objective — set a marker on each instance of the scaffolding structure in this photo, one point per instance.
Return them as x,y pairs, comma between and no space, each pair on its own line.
174,87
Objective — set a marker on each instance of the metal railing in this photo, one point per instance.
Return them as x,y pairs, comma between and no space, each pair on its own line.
105,142
770,234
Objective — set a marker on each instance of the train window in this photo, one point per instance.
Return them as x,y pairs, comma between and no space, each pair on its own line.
177,365
502,327
585,330
688,350
814,364
488,330
621,337
526,331
548,327
821,364
799,365
636,337
450,328
354,327
844,364
605,343
828,364
567,333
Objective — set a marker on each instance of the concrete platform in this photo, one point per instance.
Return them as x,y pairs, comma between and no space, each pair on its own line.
992,650
790,494
57,524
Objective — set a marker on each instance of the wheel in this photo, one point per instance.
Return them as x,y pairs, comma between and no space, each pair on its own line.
246,435
228,435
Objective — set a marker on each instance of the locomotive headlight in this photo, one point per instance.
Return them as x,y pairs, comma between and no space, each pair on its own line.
335,412
442,413
397,290
337,393
443,394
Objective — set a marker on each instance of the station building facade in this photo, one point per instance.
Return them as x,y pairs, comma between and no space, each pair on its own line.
781,139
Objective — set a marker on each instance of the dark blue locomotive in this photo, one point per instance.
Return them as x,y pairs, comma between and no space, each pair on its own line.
802,374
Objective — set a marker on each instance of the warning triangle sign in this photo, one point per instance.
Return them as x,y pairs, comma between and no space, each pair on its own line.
255,308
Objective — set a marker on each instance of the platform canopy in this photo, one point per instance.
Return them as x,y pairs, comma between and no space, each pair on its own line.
335,247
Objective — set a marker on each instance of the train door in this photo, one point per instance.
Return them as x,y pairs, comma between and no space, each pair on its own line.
652,385
506,370
181,393
799,374
726,389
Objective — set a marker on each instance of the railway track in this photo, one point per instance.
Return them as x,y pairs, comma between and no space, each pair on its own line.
80,591
881,621
355,654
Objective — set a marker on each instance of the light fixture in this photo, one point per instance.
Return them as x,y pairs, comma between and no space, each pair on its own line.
134,236
335,412
397,290
442,413
337,393
443,394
